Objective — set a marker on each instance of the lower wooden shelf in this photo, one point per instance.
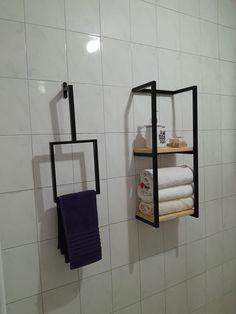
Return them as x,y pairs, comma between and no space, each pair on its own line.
166,217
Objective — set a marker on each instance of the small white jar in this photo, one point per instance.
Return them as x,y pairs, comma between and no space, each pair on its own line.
161,135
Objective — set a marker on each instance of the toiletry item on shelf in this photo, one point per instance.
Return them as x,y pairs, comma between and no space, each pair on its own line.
177,142
161,135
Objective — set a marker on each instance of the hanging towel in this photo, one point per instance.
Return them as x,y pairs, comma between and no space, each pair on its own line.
168,177
168,194
78,231
167,207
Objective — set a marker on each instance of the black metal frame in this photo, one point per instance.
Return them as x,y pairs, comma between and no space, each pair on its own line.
68,92
150,89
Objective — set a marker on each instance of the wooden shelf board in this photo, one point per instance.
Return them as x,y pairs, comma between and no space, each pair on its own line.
166,217
162,150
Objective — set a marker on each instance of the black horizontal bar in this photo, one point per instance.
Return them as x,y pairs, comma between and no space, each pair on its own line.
72,142
146,221
186,89
140,87
158,92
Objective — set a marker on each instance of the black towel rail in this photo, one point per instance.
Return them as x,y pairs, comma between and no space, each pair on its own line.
68,93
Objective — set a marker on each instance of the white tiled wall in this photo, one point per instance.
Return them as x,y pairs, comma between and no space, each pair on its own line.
104,48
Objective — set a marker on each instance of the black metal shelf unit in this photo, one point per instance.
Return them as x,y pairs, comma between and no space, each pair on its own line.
68,93
151,90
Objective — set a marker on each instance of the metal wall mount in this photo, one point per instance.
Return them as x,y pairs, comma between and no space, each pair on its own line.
68,93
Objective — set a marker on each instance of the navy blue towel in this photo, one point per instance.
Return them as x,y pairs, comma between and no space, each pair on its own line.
78,231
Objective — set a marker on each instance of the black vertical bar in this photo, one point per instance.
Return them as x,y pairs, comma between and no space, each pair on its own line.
96,166
53,170
154,154
195,152
72,112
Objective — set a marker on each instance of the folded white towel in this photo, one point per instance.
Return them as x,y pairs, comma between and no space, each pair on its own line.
172,193
168,177
167,207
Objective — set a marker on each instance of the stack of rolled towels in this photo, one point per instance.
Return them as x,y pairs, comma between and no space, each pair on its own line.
175,188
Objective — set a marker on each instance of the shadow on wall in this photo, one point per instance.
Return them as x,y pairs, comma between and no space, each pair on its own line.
49,216
151,240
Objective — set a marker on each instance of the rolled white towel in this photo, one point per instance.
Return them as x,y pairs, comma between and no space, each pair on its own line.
168,194
167,207
168,177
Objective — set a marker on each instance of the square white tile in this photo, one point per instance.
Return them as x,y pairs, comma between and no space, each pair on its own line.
121,199
115,19
212,147
118,73
214,283
84,58
118,109
12,10
227,11
150,240
228,142
89,114
226,43
229,213
13,177
190,7
143,22
168,29
21,269
209,39
83,16
209,10
13,51
125,285
196,258
90,289
144,64
54,271
50,13
46,53
228,179
17,219
229,250
121,164
133,309
228,108
171,4
169,63
229,280
32,305
49,110
124,243
214,250
176,299
213,186
196,292
150,305
210,75
175,266
228,78
190,34
152,275
14,107
62,300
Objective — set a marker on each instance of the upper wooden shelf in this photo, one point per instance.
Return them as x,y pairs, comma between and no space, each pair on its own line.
162,150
